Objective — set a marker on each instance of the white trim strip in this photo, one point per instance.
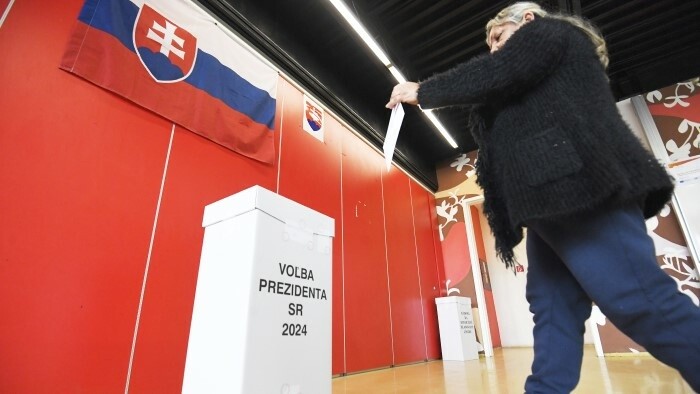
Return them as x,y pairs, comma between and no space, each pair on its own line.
148,261
478,283
420,287
7,11
650,130
388,281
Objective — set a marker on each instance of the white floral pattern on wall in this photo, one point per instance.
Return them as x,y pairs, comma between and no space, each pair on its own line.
457,184
447,211
464,161
679,102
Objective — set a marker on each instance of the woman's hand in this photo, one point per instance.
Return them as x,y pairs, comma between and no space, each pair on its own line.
406,92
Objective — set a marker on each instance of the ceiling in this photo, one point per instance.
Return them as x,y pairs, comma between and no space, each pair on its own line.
652,44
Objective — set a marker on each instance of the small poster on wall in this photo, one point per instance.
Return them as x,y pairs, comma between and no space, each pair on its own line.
314,118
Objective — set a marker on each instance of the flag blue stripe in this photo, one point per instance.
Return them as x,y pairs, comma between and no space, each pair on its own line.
221,82
117,18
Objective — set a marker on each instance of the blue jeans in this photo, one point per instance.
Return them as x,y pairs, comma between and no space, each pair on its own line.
605,257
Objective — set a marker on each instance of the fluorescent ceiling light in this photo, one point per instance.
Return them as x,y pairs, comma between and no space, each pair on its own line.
379,53
397,74
429,113
359,29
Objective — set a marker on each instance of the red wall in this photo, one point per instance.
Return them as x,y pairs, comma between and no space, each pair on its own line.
85,274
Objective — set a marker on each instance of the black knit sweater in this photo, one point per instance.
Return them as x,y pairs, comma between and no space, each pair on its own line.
552,143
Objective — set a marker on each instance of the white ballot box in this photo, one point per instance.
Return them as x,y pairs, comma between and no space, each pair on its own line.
261,321
457,337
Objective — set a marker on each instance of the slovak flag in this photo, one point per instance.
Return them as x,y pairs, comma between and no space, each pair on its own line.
173,58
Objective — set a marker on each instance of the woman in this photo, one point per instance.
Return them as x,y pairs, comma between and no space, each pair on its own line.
556,157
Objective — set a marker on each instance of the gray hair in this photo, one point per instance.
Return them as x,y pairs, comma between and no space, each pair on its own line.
516,12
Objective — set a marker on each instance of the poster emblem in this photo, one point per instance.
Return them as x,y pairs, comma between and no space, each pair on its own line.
313,118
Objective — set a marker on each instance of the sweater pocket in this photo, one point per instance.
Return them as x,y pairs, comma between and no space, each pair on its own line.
547,157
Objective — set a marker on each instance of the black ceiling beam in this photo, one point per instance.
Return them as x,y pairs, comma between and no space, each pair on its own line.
572,7
263,44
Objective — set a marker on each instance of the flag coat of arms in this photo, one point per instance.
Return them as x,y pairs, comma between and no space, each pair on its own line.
173,58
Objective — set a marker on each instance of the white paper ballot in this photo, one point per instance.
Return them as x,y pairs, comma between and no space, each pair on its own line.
392,134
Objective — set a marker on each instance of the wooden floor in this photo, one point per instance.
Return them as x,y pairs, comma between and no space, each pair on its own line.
506,373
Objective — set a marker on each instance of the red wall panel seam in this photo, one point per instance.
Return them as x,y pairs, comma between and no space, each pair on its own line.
388,280
342,262
148,260
420,286
6,12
